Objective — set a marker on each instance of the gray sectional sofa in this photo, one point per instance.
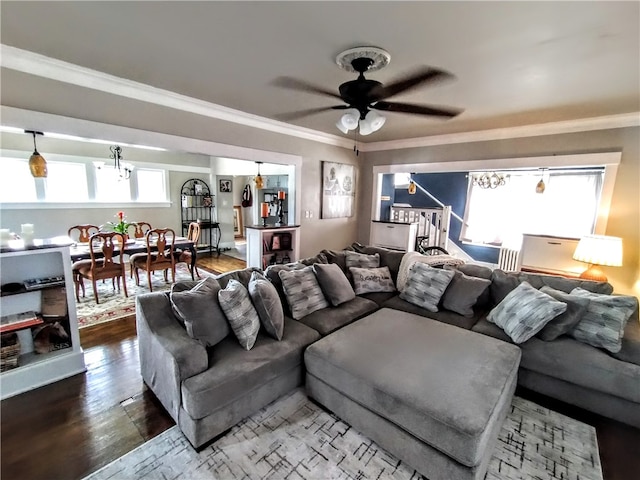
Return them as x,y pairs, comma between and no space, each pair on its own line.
208,389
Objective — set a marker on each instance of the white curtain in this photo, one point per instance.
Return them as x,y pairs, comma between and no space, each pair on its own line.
500,216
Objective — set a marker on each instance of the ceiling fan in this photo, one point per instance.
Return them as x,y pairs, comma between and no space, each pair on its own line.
362,97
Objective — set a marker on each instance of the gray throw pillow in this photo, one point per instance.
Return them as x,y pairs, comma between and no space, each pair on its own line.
334,283
240,312
603,323
199,310
303,292
361,260
426,285
524,312
370,280
463,292
266,300
576,308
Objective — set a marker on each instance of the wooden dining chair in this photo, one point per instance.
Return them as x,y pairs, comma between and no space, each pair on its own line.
80,234
185,256
104,247
159,255
140,229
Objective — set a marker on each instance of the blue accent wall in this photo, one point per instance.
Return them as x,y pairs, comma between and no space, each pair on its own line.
388,189
451,189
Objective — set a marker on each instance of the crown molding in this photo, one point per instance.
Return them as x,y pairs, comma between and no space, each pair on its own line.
40,65
552,128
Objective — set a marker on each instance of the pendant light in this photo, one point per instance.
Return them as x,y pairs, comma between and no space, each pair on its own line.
37,163
540,186
412,185
258,179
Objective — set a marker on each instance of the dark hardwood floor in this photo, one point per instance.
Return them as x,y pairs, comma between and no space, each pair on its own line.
71,428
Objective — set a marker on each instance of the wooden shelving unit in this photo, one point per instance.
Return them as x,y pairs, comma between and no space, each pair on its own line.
263,250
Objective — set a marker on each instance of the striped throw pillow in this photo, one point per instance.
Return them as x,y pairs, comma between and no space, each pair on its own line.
240,312
425,286
303,292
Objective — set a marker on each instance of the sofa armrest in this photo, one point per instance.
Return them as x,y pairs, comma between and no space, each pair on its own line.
167,354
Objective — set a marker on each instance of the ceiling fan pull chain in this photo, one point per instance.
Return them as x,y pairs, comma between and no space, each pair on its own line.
355,142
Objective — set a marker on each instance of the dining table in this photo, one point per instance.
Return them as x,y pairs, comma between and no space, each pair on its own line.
80,250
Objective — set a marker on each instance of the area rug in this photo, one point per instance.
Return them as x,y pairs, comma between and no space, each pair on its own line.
293,438
113,304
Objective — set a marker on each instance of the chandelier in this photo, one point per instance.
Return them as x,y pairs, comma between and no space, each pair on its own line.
489,180
123,169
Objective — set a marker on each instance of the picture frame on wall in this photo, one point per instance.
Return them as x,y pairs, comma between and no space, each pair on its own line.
338,190
238,224
225,186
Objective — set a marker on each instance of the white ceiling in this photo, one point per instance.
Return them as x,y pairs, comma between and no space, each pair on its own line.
516,63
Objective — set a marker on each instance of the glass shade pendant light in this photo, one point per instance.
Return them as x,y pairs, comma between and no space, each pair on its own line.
37,163
258,179
540,186
412,186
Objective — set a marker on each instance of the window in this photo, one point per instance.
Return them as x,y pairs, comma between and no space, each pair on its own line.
151,185
66,182
567,208
16,182
110,186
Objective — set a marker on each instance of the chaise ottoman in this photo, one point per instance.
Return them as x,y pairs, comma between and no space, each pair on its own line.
432,394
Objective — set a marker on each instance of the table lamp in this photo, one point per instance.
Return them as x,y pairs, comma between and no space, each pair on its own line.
598,250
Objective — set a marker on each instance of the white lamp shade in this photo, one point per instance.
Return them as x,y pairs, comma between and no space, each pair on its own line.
341,126
599,250
365,128
375,120
349,120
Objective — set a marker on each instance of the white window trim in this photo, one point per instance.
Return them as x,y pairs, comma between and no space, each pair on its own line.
609,160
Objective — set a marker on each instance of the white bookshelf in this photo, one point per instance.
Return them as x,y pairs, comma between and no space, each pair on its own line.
259,243
34,369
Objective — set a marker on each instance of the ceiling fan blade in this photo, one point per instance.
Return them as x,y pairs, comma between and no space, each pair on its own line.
295,84
436,111
310,111
423,75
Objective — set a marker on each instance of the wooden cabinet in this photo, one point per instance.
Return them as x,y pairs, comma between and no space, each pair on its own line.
397,236
56,299
271,245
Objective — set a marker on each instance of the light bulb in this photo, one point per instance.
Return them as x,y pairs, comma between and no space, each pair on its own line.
376,121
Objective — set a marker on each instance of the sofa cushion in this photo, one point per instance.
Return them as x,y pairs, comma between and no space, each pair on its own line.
463,292
576,308
243,276
630,351
605,319
361,260
369,280
267,303
329,319
477,271
240,312
525,311
272,273
388,258
485,327
234,372
303,292
444,316
426,285
339,257
319,258
578,363
334,283
199,310
379,297
502,283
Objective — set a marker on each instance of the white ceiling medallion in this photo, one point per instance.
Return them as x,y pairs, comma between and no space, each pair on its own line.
380,58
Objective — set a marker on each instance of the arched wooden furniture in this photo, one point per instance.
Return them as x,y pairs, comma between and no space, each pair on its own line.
185,256
163,239
140,229
81,234
104,247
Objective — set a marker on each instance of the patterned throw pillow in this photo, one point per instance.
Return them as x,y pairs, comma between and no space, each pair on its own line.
603,323
369,280
362,260
266,300
334,283
425,286
524,312
240,312
303,292
199,310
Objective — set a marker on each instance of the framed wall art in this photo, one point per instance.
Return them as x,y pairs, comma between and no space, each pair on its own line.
338,190
225,186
